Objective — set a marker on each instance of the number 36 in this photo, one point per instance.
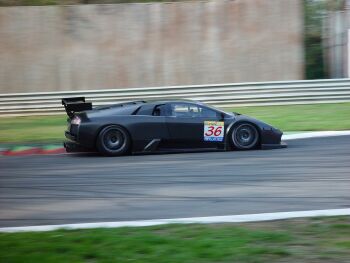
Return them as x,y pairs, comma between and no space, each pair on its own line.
212,130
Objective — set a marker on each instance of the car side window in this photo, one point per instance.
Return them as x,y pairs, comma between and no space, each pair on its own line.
191,110
160,110
208,113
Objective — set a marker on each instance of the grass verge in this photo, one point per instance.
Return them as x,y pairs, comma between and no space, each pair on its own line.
301,240
35,129
316,117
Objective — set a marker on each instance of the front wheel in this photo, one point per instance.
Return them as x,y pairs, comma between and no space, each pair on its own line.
245,136
113,141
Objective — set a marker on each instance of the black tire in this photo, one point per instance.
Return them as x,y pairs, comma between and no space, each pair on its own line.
245,136
113,141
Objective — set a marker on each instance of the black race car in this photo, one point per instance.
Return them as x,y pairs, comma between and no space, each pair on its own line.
157,126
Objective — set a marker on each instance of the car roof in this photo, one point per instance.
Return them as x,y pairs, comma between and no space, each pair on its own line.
174,101
185,101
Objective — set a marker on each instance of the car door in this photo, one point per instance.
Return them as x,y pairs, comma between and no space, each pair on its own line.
148,123
194,126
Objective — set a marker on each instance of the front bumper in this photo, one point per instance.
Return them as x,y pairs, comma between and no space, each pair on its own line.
274,146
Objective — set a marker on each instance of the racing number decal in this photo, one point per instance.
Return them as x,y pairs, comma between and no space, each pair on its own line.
213,131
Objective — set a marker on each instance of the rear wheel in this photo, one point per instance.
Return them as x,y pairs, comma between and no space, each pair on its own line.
113,140
245,136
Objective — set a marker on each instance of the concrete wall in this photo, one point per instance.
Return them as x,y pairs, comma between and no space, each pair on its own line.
137,45
336,42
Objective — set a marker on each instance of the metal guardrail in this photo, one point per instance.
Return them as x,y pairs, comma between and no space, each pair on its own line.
221,95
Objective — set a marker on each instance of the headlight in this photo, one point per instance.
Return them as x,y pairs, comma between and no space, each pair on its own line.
76,120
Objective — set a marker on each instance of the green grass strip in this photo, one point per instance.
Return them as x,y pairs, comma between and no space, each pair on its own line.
21,148
36,129
51,147
298,240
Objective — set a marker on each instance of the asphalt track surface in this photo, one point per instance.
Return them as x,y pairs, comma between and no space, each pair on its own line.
61,189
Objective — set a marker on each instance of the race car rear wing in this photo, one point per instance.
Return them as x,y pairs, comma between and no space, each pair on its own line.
72,105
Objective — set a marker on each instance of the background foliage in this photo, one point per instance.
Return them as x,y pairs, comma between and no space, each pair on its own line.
314,60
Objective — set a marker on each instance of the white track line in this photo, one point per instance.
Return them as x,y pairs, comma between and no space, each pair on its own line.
317,134
190,220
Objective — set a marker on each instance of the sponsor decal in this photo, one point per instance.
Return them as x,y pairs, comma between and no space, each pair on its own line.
214,131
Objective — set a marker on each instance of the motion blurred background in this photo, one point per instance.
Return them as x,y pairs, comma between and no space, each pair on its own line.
53,45
285,62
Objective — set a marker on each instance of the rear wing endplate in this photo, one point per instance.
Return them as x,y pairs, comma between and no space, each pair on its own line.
72,105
